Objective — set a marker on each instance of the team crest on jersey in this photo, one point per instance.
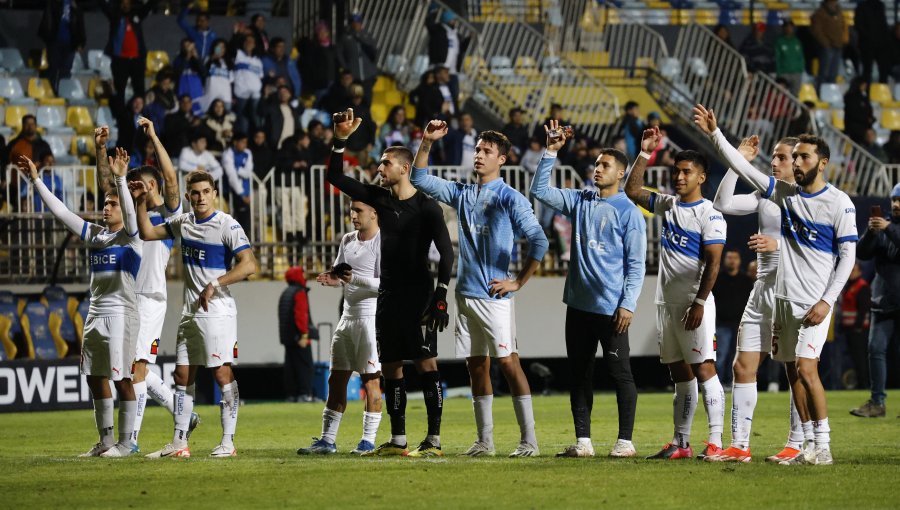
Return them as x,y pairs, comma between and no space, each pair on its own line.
235,354
154,347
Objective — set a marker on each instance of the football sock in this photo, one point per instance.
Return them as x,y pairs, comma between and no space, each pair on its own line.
184,406
683,407
822,432
159,391
714,402
795,436
103,415
231,403
484,418
370,426
395,398
808,431
140,395
331,421
525,417
743,402
127,410
585,441
433,440
434,401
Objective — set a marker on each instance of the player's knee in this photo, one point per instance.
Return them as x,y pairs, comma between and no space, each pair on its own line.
705,371
808,371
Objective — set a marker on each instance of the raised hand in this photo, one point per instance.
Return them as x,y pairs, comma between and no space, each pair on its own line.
119,164
101,136
328,279
558,141
650,139
28,167
435,130
705,119
345,124
138,190
147,125
749,148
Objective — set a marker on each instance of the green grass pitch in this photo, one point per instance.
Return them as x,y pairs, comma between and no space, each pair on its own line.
40,469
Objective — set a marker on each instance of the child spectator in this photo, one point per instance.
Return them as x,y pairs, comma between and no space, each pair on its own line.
237,161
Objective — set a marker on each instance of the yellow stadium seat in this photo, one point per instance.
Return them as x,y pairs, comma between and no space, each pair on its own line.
39,88
6,339
379,113
881,93
801,18
410,111
79,118
890,118
156,60
837,119
14,116
526,66
82,147
705,17
393,98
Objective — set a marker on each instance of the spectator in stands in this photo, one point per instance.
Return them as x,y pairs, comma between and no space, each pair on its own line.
827,26
196,157
892,148
202,35
338,97
881,243
870,143
357,53
459,143
28,142
517,133
179,125
62,30
248,74
282,117
319,147
278,63
190,73
318,62
363,140
260,36
125,45
394,131
789,60
294,157
144,157
445,48
662,154
722,33
219,76
451,100
532,155
732,290
803,121
858,113
757,52
631,127
874,38
294,327
428,100
263,155
852,324
220,123
53,181
369,174
130,137
237,162
161,99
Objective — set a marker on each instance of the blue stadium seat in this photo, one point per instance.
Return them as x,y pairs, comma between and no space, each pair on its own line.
84,305
10,326
70,89
36,325
66,327
12,59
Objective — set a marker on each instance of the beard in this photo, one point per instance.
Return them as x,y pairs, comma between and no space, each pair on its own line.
807,178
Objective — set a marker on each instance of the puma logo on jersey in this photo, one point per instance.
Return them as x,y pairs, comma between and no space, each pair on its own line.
370,362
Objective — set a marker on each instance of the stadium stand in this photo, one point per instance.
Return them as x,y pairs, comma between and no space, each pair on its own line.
36,323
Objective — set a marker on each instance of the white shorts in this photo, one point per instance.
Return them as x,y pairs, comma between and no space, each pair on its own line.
485,327
206,341
153,313
679,344
353,346
791,339
108,349
755,331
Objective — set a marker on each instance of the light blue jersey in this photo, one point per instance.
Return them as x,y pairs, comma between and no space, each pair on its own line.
491,216
609,245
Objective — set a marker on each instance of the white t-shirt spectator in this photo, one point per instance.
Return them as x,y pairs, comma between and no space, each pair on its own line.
248,75
188,161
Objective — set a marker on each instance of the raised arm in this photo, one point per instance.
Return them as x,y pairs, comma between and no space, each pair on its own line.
705,120
119,168
559,199
345,124
104,176
72,221
433,186
634,185
147,230
170,177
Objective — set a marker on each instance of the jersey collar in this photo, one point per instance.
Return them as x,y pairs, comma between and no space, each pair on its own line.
204,220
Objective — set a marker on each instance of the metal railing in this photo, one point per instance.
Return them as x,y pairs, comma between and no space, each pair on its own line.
295,219
633,45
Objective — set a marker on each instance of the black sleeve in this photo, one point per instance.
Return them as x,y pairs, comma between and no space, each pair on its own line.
863,304
346,184
892,232
441,237
867,245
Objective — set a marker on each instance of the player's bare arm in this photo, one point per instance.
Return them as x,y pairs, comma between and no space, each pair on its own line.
245,267
147,230
712,255
104,175
500,288
634,185
434,131
170,177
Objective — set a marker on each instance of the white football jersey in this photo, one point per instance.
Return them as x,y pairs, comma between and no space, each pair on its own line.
115,259
769,217
208,247
687,228
812,228
151,279
365,259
